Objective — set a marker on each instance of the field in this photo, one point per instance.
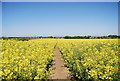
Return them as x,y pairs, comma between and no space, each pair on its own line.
91,58
85,58
26,59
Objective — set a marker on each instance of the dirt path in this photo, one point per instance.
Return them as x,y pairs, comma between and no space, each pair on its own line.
59,70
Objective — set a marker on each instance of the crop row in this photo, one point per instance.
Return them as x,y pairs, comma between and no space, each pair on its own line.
26,59
91,58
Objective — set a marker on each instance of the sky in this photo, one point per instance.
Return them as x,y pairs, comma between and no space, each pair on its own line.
0,19
60,0
59,18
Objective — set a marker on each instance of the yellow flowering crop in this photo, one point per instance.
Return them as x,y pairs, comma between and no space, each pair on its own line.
98,58
86,58
26,59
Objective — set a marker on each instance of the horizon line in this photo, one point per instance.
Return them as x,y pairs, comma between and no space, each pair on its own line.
59,36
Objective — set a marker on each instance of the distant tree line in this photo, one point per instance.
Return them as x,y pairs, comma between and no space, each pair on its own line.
26,38
77,37
92,37
16,38
65,37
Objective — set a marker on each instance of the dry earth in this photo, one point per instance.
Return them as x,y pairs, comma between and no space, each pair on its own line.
60,72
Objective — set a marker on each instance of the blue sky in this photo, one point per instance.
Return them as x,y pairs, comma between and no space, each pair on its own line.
59,18
60,0
0,19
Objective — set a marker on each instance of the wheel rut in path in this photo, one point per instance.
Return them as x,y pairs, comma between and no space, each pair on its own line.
59,72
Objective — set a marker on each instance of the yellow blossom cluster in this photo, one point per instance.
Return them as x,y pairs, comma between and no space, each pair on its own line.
91,58
26,59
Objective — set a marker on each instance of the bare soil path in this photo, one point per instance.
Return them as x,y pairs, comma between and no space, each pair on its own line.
60,72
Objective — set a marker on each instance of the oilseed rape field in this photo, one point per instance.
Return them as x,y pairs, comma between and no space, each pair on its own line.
86,58
26,59
91,58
